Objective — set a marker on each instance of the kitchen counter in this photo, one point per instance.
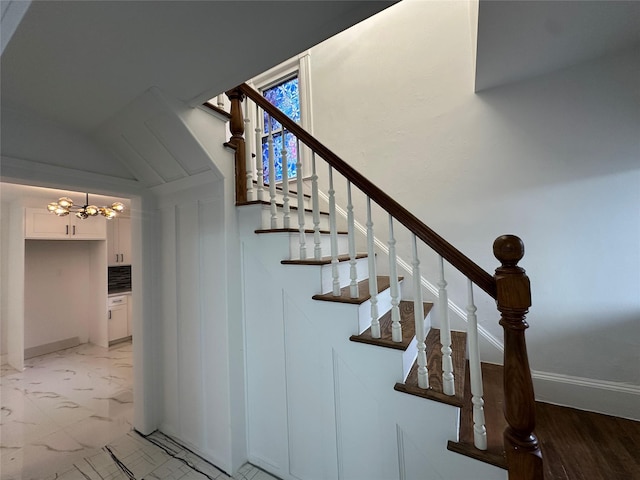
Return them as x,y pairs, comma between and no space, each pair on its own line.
124,292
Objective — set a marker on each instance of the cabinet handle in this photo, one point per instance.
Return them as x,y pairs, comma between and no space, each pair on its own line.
116,258
67,229
122,257
109,314
116,301
74,229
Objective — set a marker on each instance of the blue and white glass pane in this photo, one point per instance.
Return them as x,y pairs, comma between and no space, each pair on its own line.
286,97
292,156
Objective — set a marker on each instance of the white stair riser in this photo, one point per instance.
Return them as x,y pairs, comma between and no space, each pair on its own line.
293,198
344,272
293,219
364,310
325,245
411,353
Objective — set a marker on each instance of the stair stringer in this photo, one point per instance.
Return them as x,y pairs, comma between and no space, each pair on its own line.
320,406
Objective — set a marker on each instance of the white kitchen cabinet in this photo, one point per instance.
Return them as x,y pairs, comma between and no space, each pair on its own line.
118,317
119,241
41,224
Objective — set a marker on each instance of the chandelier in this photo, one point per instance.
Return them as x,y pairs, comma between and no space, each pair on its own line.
64,206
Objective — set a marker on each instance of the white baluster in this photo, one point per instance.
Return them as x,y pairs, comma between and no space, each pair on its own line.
259,166
272,175
418,308
248,150
286,209
315,205
396,328
373,279
300,198
448,385
353,272
334,236
475,372
221,101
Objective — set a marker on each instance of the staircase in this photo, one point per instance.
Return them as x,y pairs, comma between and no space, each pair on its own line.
322,332
345,368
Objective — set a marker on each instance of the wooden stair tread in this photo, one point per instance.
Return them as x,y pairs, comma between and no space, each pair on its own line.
434,365
321,261
363,290
407,322
294,230
279,205
494,419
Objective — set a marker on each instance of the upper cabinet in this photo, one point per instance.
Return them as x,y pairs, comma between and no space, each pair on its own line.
40,223
119,241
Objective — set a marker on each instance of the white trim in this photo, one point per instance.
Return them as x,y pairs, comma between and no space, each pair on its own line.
281,70
610,398
402,464
214,113
301,66
453,307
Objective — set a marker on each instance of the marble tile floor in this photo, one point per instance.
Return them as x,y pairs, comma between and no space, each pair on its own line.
68,416
62,406
156,456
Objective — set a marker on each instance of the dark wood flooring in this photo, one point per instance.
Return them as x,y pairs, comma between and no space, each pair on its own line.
575,445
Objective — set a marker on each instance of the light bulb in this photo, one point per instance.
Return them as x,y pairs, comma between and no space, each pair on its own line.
65,202
91,210
108,212
52,207
118,207
61,211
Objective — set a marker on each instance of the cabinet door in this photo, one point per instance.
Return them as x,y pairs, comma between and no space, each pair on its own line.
113,254
124,240
92,228
117,322
40,223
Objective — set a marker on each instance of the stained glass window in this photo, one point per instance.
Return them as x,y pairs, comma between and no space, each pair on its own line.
285,96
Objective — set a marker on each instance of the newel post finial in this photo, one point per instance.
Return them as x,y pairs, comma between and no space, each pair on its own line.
524,458
236,127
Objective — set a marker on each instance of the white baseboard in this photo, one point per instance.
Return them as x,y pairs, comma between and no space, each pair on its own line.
51,347
610,398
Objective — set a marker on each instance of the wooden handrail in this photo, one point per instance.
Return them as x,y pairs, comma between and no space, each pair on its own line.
451,254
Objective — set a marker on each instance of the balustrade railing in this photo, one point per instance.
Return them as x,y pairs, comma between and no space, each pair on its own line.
509,287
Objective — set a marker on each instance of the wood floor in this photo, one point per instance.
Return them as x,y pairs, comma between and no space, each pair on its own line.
576,445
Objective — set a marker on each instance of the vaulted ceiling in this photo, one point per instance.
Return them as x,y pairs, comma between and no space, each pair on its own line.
78,63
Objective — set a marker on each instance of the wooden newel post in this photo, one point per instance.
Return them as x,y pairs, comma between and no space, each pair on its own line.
236,126
524,458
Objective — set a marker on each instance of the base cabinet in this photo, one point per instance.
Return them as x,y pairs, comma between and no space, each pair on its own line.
118,318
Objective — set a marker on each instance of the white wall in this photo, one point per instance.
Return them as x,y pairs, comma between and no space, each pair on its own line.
57,291
553,159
